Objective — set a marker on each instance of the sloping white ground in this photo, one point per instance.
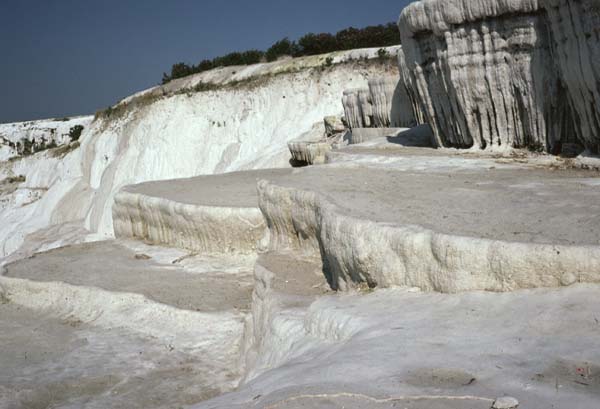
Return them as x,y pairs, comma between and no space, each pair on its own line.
246,126
63,362
121,324
403,348
39,199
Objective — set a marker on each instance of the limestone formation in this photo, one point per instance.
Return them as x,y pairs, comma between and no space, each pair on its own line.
391,104
405,78
385,104
306,153
333,125
504,74
352,109
361,243
357,108
366,107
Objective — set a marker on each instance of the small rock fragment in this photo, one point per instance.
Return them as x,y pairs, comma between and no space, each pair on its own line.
505,402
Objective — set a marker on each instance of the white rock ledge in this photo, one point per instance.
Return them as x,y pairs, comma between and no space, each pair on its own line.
192,227
356,250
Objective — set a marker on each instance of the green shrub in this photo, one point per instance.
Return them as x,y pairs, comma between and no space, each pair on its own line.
282,48
383,54
75,132
310,44
313,44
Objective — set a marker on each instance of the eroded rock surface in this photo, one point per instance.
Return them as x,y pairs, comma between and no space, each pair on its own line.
504,74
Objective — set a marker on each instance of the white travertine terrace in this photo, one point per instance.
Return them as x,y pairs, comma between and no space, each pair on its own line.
187,226
434,231
360,243
486,73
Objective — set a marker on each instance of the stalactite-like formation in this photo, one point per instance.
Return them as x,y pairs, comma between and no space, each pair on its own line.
391,104
385,104
504,73
352,110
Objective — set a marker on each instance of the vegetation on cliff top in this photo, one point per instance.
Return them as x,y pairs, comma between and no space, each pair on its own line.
310,44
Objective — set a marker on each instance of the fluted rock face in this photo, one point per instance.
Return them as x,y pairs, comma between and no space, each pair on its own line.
384,104
411,90
504,73
391,105
575,28
357,108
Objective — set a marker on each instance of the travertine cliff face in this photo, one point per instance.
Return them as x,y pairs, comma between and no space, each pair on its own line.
503,73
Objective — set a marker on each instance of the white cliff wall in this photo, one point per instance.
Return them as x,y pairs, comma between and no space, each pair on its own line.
502,74
184,132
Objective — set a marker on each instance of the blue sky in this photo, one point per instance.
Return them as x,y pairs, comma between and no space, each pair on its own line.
69,57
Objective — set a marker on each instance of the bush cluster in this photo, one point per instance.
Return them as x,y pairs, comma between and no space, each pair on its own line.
75,132
310,44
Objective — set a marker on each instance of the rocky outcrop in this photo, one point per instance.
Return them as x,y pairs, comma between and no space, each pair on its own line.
503,74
